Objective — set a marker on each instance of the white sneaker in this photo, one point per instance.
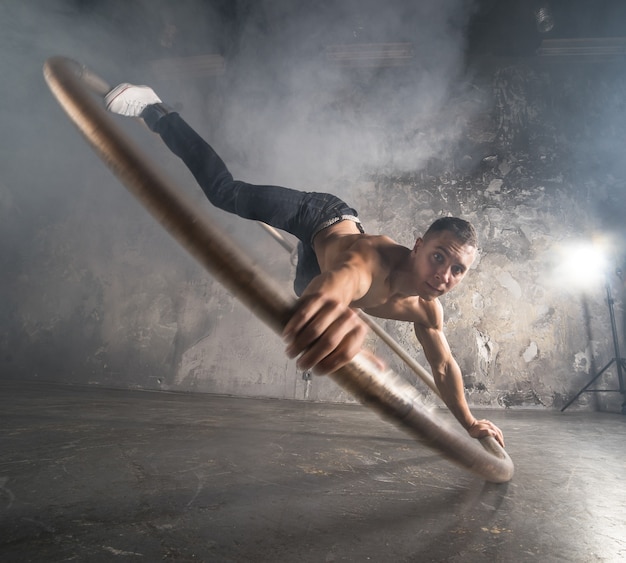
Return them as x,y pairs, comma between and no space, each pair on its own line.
129,100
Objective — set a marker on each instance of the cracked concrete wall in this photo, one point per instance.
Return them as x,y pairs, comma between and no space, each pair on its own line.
522,334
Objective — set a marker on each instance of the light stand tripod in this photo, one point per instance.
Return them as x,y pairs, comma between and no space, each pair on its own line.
619,362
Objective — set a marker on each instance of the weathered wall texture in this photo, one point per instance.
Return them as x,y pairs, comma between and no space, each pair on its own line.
522,333
94,292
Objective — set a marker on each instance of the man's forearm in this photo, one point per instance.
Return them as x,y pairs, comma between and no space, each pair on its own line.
450,384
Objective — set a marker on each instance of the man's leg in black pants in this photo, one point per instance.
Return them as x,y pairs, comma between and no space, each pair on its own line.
302,214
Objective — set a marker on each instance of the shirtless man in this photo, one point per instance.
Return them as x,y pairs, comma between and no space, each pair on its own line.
339,266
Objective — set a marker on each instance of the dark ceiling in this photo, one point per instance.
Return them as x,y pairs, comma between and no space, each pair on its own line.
516,27
496,27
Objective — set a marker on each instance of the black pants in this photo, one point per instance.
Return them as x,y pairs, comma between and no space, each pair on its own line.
303,214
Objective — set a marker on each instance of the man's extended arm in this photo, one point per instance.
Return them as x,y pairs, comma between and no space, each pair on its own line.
324,331
449,381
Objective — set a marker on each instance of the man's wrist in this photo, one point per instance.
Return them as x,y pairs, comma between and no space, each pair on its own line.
471,424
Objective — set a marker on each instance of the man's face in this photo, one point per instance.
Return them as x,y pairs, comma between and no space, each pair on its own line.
440,263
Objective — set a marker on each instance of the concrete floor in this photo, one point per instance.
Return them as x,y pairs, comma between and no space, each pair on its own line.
88,474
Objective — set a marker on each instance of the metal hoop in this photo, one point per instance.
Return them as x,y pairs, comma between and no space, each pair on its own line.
385,392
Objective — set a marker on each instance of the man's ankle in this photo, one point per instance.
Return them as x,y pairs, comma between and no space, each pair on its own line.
153,113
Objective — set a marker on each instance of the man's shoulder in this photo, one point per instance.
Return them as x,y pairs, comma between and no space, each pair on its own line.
332,243
386,250
431,314
424,314
346,233
408,308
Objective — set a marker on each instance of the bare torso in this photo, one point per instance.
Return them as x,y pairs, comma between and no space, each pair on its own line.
386,257
388,280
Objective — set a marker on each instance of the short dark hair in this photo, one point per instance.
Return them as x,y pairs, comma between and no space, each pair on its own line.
460,228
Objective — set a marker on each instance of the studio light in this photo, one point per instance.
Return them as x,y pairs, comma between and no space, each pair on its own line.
582,264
